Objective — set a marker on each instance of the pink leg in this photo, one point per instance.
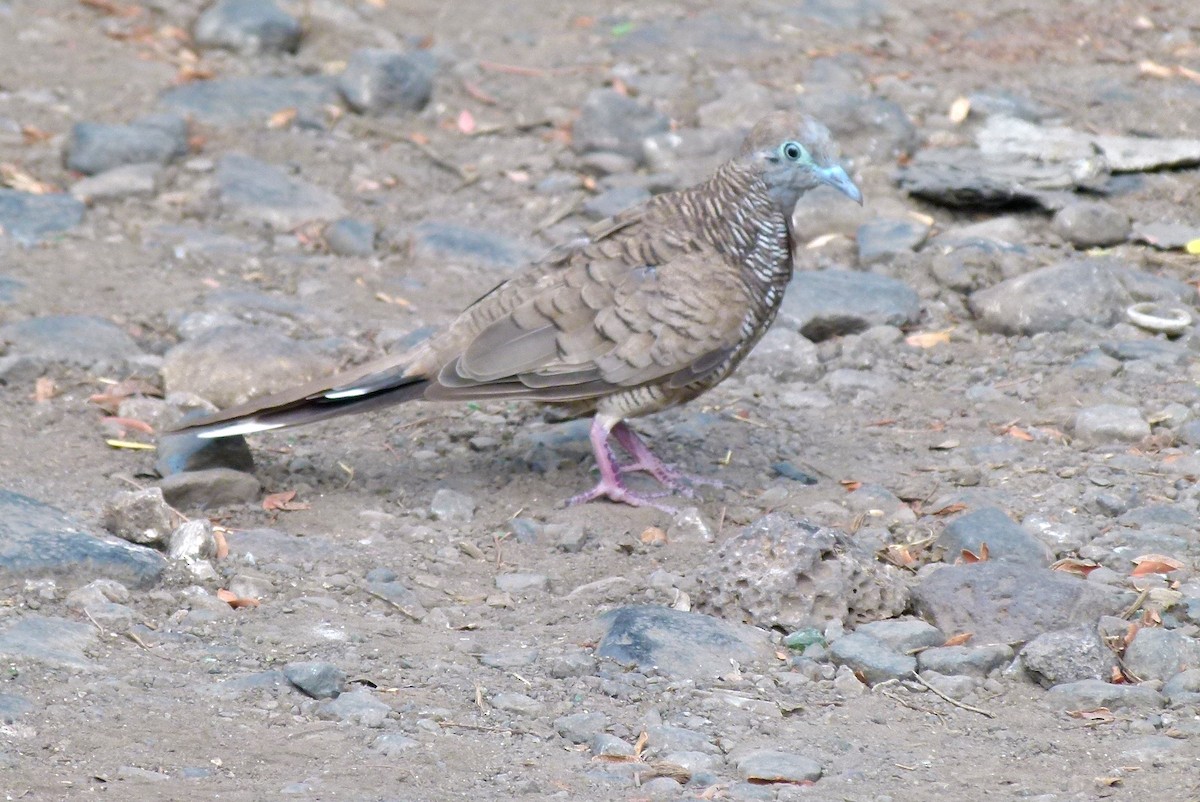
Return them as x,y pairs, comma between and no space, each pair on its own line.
645,460
610,485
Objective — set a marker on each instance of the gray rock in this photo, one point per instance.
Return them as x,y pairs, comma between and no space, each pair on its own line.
99,147
661,788
1110,423
386,81
139,516
1184,685
1008,137
1157,653
400,597
904,635
37,540
966,178
97,591
1006,602
613,122
581,728
232,364
881,239
827,303
510,658
1051,298
187,452
1005,538
252,99
76,340
679,644
1159,750
119,182
450,505
609,203
971,661
871,658
782,571
355,707
391,744
258,192
1166,236
350,237
317,679
522,582
192,540
30,219
1000,103
12,707
435,241
603,744
248,26
1068,655
768,766
517,703
210,489
53,641
1091,224
664,738
1089,694
956,686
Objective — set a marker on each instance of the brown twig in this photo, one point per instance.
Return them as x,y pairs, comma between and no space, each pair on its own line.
951,700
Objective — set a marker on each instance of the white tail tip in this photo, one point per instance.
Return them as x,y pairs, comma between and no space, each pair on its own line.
245,427
353,392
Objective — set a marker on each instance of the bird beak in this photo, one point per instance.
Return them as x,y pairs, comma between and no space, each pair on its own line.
837,178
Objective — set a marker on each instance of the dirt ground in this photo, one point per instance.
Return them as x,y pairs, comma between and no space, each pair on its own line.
178,719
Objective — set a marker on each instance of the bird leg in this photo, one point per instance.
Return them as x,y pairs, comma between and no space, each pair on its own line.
646,460
610,485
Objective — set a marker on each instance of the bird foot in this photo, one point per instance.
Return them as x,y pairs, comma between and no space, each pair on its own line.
675,480
615,490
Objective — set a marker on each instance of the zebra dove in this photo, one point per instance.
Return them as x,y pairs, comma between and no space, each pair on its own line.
660,303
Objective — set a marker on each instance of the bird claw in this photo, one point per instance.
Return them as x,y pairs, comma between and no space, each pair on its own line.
677,482
618,492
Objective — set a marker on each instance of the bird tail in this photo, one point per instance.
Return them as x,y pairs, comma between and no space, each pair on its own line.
371,386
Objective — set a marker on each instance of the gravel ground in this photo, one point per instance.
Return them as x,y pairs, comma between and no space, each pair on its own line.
956,552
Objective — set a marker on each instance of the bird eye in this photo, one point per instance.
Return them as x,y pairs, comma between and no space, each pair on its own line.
792,151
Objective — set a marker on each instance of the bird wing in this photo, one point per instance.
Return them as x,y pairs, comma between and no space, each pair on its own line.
630,308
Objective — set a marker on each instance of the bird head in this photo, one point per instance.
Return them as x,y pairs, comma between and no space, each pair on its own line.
794,153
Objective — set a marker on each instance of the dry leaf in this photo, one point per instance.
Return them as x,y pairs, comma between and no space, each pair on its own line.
31,134
1073,565
128,423
640,745
945,445
235,601
970,557
821,241
928,339
1108,782
221,542
282,118
44,389
129,444
959,639
653,536
111,399
1154,69
419,138
899,555
466,122
13,176
1155,564
1099,714
283,501
950,509
1018,433
959,110
850,484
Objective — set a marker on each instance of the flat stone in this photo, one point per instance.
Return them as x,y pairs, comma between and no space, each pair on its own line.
391,744
871,658
769,766
605,744
784,571
192,540
1185,684
248,26
971,661
664,738
967,178
581,728
1051,298
252,99
401,597
379,81
1005,136
1104,424
1091,224
317,679
510,658
904,635
434,241
37,540
54,641
1005,538
520,582
230,365
139,516
517,703
77,340
828,303
1068,655
1160,654
1006,602
450,505
881,239
679,644
98,147
612,122
30,219
351,237
1166,236
1089,694
210,489
119,182
258,192
356,707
